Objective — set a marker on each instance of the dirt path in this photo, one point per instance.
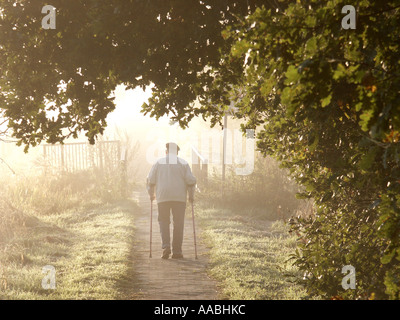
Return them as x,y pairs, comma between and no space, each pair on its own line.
159,279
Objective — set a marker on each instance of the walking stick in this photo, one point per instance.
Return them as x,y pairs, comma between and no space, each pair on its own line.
194,232
151,223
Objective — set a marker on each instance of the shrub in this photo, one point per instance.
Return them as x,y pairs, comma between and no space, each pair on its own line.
267,192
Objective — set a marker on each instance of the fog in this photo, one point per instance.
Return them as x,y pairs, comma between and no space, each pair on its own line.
127,124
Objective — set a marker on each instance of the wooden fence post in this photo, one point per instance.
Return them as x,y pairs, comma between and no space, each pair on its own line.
100,155
123,168
45,159
62,157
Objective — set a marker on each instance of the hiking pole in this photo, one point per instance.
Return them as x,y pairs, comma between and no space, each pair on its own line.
151,223
194,233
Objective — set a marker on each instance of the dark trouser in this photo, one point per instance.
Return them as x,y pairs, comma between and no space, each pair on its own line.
178,216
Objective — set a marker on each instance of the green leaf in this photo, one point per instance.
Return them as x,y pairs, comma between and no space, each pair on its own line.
267,86
292,75
368,159
365,117
340,72
326,101
387,258
311,46
311,21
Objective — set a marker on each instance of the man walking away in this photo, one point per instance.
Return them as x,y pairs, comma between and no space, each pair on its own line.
169,181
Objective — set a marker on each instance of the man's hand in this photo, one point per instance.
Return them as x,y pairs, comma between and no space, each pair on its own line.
150,190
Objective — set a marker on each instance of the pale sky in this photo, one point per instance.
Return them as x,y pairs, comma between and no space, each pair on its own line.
152,134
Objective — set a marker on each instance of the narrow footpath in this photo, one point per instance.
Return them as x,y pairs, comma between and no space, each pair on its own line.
171,279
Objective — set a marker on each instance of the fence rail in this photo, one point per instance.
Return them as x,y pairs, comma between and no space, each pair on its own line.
78,156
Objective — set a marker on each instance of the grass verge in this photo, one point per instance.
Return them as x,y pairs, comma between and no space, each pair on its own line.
89,247
248,255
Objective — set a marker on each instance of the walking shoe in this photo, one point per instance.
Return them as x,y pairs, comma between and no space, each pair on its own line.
166,253
177,256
